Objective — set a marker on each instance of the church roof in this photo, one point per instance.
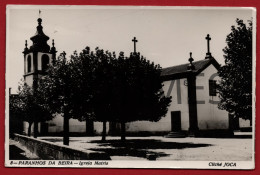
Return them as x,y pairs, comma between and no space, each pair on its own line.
181,71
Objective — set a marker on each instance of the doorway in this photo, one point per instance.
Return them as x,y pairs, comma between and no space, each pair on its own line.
176,121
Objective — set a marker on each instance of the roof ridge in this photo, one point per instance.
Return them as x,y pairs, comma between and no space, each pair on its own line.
187,63
181,70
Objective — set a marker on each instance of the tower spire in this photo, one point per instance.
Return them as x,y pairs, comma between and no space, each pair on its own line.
39,39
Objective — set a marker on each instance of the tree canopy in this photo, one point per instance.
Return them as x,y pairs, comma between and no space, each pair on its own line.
30,106
58,89
98,86
117,89
235,88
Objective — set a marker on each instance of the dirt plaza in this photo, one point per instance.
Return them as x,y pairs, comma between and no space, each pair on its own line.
160,148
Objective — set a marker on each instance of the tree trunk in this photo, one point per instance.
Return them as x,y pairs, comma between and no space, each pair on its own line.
104,130
66,128
89,127
30,129
35,129
123,131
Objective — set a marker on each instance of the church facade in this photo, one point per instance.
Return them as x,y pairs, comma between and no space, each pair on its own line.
193,110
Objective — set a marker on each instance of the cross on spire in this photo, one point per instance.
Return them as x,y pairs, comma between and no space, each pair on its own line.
135,41
40,13
208,54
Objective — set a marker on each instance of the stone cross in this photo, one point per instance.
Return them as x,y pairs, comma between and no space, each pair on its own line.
208,39
135,41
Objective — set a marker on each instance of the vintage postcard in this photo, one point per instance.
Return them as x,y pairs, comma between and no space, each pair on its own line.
130,87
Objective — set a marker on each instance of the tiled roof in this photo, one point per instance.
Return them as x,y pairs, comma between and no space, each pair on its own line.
179,69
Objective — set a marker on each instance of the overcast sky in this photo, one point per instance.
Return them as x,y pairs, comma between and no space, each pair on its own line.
165,35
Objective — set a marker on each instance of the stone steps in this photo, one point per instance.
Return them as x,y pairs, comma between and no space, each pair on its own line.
175,135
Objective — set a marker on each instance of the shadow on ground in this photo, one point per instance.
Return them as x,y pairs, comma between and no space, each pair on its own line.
139,148
15,153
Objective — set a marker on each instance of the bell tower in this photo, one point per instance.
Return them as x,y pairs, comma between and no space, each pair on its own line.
38,57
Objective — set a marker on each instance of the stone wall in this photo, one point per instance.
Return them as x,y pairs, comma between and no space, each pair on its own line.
50,151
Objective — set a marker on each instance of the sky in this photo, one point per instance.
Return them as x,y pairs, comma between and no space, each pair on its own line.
166,35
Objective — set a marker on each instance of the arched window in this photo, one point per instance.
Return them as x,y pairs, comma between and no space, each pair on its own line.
45,62
212,87
29,63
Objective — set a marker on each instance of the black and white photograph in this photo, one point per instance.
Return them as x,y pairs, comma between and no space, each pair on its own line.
130,87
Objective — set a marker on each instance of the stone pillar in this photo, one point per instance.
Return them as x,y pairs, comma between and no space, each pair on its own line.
192,102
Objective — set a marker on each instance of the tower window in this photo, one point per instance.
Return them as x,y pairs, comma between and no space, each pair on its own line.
45,62
29,63
212,87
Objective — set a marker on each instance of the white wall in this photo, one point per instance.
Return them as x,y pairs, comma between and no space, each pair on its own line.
56,125
244,123
29,80
209,116
26,126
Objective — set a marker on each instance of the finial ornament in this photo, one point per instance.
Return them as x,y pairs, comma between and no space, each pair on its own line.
191,66
53,43
39,21
191,59
26,49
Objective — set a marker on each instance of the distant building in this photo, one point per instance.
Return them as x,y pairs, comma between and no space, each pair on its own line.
193,110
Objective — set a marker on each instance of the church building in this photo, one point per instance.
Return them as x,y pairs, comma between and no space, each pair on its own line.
192,112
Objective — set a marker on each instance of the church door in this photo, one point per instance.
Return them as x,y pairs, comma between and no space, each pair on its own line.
176,121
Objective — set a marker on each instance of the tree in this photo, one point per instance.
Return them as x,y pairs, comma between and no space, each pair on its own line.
30,107
58,91
138,93
95,74
103,88
119,89
16,115
84,66
235,87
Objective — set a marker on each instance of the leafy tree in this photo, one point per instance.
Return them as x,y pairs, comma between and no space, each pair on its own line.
82,69
138,93
235,88
16,115
103,88
58,91
95,74
117,89
100,87
29,105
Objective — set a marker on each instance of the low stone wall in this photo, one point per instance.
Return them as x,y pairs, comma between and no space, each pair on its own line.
50,151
